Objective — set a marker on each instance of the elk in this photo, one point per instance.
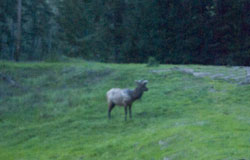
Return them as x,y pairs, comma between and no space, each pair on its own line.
125,97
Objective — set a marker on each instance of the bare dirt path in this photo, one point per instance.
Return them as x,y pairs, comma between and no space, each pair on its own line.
240,75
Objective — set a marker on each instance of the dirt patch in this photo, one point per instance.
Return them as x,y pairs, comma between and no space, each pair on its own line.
247,79
231,75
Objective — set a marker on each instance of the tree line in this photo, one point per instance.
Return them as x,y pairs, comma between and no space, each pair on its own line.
128,31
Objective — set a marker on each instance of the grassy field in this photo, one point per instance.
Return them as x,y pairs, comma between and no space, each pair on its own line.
58,111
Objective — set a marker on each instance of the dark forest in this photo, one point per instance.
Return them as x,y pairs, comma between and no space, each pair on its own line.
213,32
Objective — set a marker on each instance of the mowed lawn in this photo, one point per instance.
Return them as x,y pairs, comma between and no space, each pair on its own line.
58,111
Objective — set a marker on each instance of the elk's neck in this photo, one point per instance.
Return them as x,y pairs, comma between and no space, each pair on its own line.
137,93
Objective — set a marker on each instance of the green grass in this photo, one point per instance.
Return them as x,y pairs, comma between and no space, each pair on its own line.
60,113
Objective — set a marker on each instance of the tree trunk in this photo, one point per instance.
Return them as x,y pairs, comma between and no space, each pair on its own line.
18,38
118,22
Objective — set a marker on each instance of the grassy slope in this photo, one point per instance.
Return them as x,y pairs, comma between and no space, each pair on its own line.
61,113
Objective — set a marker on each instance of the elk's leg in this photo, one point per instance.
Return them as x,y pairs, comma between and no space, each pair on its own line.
111,106
125,109
130,111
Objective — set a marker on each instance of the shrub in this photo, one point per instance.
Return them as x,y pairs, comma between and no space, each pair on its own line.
152,62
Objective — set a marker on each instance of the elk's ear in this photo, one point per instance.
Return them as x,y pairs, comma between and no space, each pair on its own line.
145,81
138,82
